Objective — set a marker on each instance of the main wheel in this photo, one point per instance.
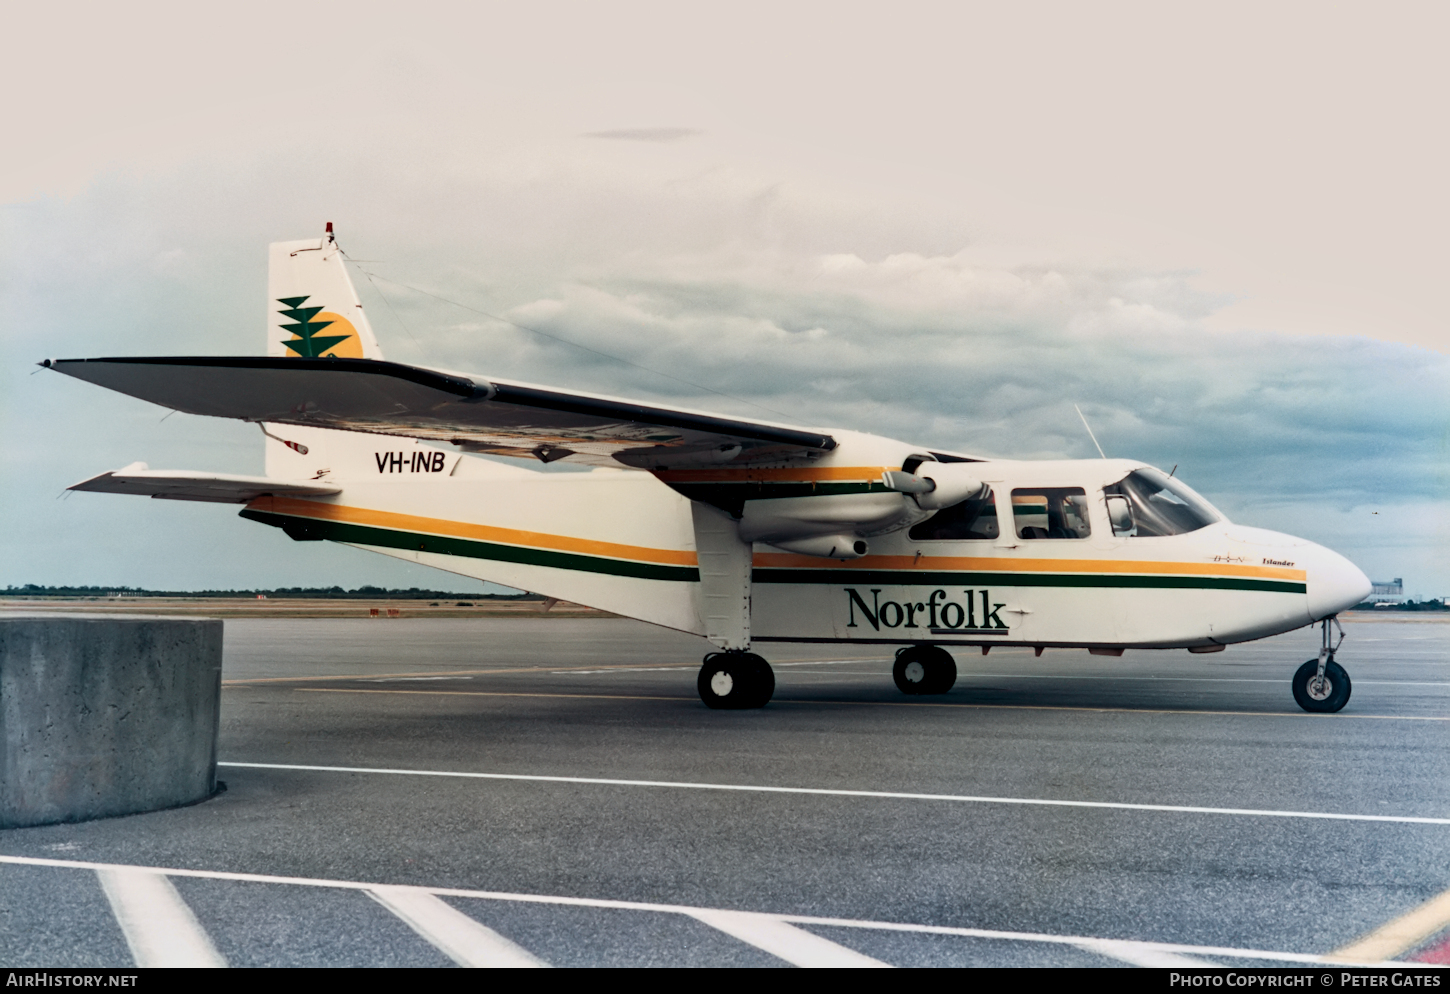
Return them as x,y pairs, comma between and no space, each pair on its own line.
1326,699
735,681
924,669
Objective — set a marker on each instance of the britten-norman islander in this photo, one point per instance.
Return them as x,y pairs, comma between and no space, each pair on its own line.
737,530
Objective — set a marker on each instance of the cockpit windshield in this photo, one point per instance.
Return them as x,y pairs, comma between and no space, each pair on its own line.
1160,505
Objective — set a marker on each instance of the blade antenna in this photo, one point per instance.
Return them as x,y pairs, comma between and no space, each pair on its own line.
1089,431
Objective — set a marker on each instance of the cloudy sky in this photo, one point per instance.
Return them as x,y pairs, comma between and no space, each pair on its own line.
1220,230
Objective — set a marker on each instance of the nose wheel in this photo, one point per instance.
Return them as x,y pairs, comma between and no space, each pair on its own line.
924,669
735,681
1321,685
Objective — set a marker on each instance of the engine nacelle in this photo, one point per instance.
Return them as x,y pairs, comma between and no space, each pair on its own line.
792,519
827,546
836,526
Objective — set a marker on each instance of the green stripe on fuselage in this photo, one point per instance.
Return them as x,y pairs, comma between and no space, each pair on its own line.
339,531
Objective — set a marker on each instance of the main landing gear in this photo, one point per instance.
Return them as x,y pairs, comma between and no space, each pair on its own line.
735,681
924,669
1321,685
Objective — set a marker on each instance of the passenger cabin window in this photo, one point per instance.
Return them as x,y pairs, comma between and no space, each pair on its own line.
1156,505
974,518
1050,512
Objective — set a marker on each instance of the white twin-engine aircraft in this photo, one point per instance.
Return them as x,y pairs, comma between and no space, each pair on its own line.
741,531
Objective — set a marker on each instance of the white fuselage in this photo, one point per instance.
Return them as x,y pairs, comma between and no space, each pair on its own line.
623,541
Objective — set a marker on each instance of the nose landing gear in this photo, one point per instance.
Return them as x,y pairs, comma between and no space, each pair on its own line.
1321,685
735,681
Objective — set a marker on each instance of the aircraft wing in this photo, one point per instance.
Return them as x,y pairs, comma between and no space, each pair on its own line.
480,415
181,484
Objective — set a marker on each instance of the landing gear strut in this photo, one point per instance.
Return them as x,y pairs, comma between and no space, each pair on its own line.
924,669
735,681
1321,685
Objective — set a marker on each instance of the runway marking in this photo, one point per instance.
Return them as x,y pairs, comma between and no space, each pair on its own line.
457,936
665,667
1134,953
622,669
159,926
888,704
440,674
488,693
591,902
1110,710
1187,679
1404,932
842,792
642,669
595,668
963,676
785,941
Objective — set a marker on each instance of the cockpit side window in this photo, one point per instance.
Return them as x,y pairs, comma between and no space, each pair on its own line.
974,518
1050,512
1159,506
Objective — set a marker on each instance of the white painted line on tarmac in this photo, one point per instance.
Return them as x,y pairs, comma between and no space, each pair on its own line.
693,669
961,705
1400,683
784,940
838,792
592,902
1401,934
623,669
158,925
1186,679
835,662
498,693
246,681
1139,954
460,938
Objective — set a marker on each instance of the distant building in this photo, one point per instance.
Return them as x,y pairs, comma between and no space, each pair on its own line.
1387,591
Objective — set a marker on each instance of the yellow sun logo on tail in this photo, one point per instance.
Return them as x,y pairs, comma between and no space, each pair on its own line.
317,333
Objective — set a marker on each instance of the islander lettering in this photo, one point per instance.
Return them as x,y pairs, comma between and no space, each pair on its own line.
938,613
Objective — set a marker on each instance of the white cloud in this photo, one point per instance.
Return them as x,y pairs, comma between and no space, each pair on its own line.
813,304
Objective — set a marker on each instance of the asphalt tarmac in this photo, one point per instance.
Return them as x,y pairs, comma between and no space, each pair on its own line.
1155,809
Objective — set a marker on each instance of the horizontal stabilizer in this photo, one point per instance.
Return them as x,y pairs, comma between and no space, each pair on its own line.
182,484
482,416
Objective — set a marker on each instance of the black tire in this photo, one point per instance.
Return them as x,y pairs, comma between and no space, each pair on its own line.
946,671
735,681
924,669
1332,697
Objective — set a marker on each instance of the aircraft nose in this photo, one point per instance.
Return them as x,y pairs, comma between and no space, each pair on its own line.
1335,584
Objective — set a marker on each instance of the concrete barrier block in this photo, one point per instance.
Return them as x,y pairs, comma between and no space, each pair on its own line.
106,716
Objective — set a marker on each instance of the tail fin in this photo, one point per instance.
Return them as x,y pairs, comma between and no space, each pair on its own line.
312,308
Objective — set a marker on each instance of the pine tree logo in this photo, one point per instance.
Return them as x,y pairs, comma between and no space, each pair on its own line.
308,343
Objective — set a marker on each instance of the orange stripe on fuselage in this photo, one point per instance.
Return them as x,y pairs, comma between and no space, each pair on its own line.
462,529
974,564
779,560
